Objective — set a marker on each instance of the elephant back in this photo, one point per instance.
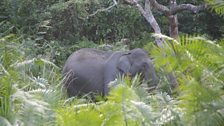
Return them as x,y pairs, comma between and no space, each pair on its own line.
88,53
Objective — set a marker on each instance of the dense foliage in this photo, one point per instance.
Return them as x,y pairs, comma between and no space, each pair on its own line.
37,36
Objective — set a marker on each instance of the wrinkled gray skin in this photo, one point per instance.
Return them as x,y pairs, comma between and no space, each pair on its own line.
90,70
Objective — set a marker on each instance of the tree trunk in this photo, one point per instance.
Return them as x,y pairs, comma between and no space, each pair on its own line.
173,21
173,31
173,28
151,19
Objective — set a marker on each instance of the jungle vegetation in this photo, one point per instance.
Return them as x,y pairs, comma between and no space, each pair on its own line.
185,39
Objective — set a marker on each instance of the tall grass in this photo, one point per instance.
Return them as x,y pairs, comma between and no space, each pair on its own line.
29,87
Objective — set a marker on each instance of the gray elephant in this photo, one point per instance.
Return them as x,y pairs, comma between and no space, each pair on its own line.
90,71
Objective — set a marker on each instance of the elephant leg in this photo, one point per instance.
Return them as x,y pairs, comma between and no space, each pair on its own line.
71,91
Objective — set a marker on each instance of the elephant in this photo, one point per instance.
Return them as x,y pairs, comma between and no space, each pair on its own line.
90,70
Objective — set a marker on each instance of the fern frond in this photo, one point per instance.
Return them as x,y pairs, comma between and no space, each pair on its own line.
217,6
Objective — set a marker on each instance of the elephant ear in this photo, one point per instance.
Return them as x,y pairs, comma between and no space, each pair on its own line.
124,64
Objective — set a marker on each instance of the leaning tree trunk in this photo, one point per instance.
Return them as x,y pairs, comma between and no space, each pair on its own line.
147,13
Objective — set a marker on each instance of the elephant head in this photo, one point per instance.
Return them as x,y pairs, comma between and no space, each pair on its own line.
137,62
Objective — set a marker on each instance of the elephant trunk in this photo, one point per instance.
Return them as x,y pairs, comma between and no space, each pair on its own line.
150,72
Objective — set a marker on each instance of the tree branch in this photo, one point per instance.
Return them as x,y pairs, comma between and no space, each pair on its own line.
190,7
147,13
103,9
178,8
160,7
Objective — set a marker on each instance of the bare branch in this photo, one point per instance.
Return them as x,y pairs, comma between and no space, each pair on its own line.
160,7
190,7
176,9
103,9
147,13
